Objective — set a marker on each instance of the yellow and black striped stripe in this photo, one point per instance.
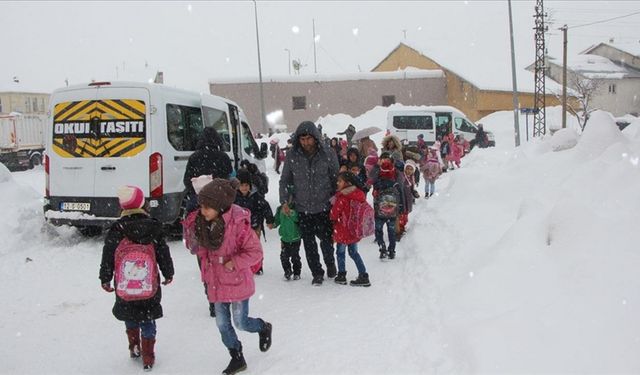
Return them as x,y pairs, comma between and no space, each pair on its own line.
84,146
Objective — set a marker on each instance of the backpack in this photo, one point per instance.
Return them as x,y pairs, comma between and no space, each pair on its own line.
361,220
387,204
281,155
136,270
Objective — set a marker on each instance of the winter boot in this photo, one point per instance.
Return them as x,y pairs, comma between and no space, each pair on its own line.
341,278
392,254
148,356
383,251
133,334
362,280
317,280
265,336
331,270
237,362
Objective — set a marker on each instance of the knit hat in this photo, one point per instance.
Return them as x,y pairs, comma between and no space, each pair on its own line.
218,194
410,163
130,197
244,176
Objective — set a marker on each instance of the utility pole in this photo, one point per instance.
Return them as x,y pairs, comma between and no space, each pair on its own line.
289,53
516,122
315,67
564,76
264,124
539,106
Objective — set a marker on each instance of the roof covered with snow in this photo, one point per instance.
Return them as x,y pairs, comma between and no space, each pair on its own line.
410,73
632,48
19,87
594,66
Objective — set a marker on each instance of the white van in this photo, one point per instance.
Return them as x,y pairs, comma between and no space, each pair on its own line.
104,135
431,122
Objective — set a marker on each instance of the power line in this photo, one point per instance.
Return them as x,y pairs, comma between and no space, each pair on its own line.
603,21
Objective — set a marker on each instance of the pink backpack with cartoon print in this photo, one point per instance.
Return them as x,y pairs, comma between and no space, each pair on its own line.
361,219
136,271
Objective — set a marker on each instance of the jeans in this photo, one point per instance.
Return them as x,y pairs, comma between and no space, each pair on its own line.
353,253
147,328
429,188
312,225
290,257
241,320
391,230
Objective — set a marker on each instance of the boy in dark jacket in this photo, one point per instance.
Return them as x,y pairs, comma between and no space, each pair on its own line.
254,202
139,316
387,202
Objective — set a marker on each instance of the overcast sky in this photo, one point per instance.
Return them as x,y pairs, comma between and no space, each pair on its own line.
44,43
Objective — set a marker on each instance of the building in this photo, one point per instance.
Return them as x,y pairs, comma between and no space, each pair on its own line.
615,70
289,100
475,86
15,97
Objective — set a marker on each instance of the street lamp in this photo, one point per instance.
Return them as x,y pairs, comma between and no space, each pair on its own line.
264,123
289,52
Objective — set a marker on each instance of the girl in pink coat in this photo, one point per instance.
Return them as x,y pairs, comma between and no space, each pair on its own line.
222,237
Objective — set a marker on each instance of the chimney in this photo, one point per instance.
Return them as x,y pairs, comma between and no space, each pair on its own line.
610,40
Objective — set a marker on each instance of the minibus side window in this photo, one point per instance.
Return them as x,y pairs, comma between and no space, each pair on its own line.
464,126
248,143
184,126
217,119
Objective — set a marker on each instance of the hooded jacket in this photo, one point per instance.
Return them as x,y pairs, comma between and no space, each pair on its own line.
138,228
207,160
313,176
240,244
340,213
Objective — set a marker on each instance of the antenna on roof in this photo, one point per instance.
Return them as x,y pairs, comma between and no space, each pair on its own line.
15,79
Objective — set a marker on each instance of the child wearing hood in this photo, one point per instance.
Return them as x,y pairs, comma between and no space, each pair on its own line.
387,202
345,236
132,232
408,186
227,247
431,170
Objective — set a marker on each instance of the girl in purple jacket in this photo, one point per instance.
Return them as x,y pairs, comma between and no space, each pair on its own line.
227,248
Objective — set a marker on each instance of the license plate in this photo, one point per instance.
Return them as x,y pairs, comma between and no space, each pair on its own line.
75,206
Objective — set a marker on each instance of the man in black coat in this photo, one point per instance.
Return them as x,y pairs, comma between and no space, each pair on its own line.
208,159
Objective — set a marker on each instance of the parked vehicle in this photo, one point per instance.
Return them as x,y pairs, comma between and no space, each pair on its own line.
104,135
431,122
21,140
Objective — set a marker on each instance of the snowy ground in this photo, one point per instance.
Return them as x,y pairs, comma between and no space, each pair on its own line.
525,262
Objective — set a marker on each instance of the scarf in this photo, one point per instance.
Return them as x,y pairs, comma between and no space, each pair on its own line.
210,233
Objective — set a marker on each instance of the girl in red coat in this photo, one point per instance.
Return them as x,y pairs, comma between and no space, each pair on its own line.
344,236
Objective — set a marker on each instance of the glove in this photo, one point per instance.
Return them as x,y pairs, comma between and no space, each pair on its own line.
107,287
167,281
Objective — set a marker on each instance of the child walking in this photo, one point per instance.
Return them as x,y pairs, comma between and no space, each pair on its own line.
133,250
227,247
257,205
408,186
387,202
431,170
290,239
344,236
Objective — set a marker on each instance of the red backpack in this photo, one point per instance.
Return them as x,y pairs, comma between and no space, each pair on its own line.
362,219
136,271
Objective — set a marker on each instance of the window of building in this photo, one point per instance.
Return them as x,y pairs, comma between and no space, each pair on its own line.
388,100
612,88
184,126
34,105
299,102
27,105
